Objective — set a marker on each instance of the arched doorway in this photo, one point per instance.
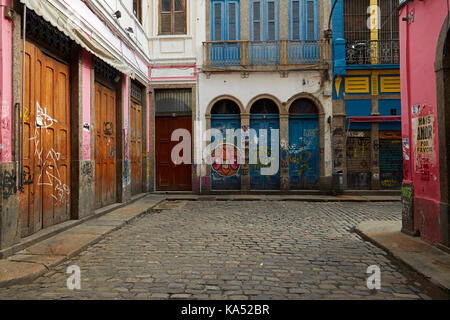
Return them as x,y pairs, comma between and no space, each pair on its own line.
226,170
443,114
303,145
264,118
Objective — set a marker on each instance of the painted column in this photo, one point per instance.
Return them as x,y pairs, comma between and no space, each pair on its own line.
284,152
84,192
245,179
9,220
375,135
6,80
126,168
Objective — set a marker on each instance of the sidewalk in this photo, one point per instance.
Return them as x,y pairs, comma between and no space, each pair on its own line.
39,258
425,259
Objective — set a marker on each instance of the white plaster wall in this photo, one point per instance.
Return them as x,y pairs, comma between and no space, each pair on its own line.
261,83
177,49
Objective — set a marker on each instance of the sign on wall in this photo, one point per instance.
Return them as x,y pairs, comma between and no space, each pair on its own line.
425,134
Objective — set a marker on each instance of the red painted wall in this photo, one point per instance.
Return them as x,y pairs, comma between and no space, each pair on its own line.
418,40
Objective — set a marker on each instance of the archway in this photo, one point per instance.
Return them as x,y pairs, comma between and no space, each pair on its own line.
304,155
264,123
442,68
226,169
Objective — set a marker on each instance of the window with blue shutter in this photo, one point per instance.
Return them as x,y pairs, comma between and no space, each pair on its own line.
303,20
264,20
225,17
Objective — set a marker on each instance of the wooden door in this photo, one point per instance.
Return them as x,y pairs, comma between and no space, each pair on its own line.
171,177
136,148
105,146
45,198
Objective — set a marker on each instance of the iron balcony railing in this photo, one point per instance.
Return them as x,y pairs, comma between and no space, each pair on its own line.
373,52
260,53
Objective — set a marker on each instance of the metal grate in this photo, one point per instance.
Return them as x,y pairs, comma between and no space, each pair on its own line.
136,91
389,20
355,20
176,101
360,47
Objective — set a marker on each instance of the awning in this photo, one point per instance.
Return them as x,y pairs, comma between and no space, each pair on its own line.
80,24
375,119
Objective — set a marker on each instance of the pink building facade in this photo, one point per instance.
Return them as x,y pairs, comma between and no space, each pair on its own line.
74,104
425,87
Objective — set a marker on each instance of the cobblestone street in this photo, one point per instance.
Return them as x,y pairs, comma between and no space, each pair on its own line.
234,250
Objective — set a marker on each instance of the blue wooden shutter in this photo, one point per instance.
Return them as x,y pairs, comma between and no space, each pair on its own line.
271,21
257,17
218,19
233,20
310,20
295,24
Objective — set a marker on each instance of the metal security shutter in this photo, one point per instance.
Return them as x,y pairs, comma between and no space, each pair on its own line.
391,164
358,163
173,101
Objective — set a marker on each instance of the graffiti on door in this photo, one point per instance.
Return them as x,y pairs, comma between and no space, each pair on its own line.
49,173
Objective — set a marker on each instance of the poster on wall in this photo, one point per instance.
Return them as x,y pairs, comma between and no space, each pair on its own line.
424,140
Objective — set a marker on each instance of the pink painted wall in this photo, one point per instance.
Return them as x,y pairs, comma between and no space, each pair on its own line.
418,53
87,99
6,100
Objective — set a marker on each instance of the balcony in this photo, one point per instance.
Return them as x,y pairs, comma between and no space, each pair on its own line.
372,52
257,54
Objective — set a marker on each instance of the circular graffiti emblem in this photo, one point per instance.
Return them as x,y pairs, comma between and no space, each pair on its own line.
226,162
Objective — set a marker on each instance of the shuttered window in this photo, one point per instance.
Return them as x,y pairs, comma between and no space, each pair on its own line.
225,20
172,17
303,20
257,21
264,17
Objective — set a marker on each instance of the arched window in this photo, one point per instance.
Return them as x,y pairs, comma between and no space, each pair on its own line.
303,106
264,106
225,106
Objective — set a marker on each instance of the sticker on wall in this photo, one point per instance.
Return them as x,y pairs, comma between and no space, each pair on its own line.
406,148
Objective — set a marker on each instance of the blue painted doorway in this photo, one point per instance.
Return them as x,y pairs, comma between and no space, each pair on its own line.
226,176
257,180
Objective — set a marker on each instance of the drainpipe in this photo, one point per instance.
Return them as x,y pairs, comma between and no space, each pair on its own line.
22,112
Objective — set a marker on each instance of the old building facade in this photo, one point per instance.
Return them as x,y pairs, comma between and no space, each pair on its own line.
265,67
425,65
366,94
74,92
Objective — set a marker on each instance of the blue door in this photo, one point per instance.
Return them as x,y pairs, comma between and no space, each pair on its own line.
264,48
226,176
304,152
257,180
225,29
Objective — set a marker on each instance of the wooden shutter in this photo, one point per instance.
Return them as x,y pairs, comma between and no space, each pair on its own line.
271,21
232,21
256,21
218,21
179,17
172,17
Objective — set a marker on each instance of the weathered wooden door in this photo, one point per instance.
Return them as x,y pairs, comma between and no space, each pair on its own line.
45,198
136,148
105,146
169,176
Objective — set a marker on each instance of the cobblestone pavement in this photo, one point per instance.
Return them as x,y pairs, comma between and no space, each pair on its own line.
234,250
